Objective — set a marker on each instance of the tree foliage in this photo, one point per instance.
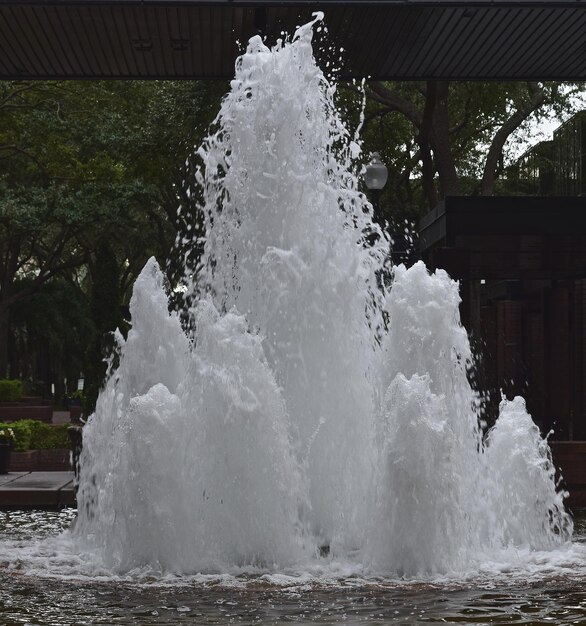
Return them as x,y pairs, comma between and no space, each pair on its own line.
92,175
453,138
86,163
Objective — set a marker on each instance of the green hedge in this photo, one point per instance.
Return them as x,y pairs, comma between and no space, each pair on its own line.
35,435
10,390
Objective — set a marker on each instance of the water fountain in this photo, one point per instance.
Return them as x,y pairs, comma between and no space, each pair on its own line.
307,406
310,406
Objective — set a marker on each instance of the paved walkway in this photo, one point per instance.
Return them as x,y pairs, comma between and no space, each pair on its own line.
61,417
36,490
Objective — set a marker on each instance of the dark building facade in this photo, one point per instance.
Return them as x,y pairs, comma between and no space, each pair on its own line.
569,147
556,167
521,263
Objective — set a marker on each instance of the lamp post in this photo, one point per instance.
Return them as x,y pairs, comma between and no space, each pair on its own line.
376,178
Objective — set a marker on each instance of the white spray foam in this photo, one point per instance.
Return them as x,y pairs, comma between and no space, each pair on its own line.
192,480
295,416
285,224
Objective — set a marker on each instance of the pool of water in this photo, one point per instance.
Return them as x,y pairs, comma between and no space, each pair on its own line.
46,597
32,601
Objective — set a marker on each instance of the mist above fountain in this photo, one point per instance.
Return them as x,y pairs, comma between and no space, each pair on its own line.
309,406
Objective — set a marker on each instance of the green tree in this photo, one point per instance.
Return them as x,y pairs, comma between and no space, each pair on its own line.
106,315
457,133
50,329
83,163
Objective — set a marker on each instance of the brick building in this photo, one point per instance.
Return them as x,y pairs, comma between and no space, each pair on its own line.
522,266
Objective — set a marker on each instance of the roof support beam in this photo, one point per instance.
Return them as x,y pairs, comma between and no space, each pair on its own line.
384,39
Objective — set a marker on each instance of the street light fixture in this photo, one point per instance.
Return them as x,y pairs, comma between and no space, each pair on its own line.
376,178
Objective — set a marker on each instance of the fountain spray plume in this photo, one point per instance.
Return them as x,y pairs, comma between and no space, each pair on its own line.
285,246
264,409
307,406
446,498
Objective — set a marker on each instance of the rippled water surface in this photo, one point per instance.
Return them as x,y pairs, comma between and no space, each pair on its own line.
25,598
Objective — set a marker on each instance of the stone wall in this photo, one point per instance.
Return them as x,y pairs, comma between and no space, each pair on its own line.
40,461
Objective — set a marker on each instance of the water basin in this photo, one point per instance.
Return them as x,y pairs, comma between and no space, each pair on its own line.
48,597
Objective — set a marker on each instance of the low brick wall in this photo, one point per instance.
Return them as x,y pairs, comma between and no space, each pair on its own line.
41,461
35,401
15,413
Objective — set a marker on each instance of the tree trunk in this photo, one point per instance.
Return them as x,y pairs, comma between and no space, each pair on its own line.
428,173
495,151
440,138
425,129
434,133
4,336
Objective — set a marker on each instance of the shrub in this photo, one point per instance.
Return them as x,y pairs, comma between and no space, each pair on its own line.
47,437
22,434
6,435
35,435
10,390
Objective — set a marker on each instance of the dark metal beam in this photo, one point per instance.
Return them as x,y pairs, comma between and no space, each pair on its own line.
384,39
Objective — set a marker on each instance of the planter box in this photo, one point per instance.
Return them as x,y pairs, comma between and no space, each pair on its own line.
5,454
74,412
23,461
41,461
35,401
22,412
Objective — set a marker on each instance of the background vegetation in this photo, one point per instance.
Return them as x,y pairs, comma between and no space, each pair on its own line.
10,390
92,175
35,435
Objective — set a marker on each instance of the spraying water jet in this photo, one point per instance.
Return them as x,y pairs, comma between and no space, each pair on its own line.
311,407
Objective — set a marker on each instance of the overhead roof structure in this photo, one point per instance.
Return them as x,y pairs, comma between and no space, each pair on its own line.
384,39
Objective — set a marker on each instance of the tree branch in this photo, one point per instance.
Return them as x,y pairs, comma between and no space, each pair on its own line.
14,149
395,102
536,99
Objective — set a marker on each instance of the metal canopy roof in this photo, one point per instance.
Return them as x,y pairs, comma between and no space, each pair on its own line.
388,39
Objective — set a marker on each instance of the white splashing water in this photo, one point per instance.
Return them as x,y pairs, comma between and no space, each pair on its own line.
309,407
